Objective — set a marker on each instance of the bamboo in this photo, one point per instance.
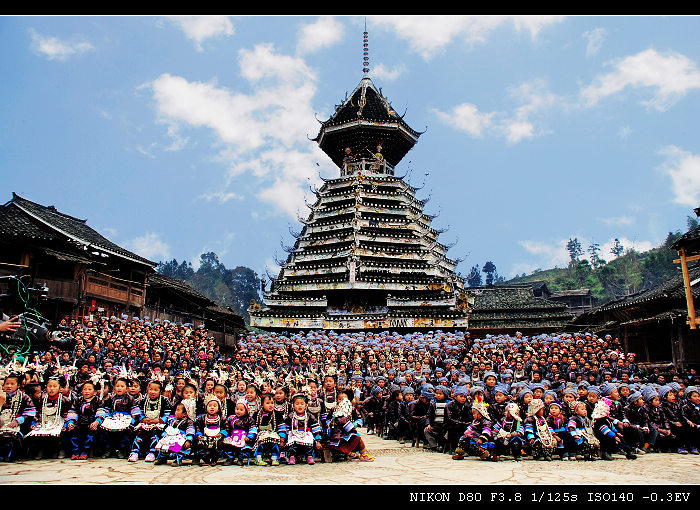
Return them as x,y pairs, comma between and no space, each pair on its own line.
688,290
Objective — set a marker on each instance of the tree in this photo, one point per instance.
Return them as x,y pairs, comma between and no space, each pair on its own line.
575,249
182,271
596,261
489,268
617,248
232,288
474,278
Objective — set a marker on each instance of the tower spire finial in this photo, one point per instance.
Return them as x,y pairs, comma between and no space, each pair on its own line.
365,49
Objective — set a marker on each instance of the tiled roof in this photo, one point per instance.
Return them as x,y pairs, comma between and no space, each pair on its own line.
160,280
74,228
515,306
362,121
690,239
15,223
672,288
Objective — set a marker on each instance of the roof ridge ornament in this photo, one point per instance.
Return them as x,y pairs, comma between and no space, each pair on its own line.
365,51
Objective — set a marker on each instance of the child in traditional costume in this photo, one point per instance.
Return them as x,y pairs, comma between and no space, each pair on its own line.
238,445
393,414
581,429
674,416
659,424
252,398
46,436
344,437
509,432
177,438
302,434
17,414
691,414
604,429
558,422
211,429
477,439
155,411
83,421
457,416
267,429
435,430
537,432
121,415
228,405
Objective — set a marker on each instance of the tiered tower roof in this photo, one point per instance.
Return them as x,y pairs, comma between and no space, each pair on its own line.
367,256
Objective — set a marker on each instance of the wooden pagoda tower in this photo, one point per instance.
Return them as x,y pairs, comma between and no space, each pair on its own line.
367,256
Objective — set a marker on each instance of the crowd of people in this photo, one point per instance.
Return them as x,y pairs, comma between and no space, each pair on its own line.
165,392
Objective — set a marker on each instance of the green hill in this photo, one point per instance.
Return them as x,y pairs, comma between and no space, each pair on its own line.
631,272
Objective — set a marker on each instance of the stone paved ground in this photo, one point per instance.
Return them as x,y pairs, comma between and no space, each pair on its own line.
394,464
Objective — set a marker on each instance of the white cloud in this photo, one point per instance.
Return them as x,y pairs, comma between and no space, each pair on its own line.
467,117
199,28
149,245
624,132
387,74
221,196
549,254
639,246
323,33
595,39
516,126
522,267
263,134
270,266
428,35
55,49
683,168
669,75
618,221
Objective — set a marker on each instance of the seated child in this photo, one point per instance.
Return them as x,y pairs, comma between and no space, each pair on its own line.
557,422
477,439
302,434
457,416
155,411
177,438
537,432
674,416
267,437
609,437
665,438
509,432
210,430
47,433
17,414
435,429
238,445
344,437
581,429
83,421
691,415
121,415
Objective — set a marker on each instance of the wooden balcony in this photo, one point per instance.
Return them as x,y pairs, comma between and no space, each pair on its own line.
67,290
114,289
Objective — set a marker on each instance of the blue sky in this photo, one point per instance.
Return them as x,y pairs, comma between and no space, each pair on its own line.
175,136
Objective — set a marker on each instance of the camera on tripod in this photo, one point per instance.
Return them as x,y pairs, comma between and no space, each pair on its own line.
34,329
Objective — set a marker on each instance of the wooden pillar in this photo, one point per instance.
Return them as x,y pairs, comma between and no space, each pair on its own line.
688,289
